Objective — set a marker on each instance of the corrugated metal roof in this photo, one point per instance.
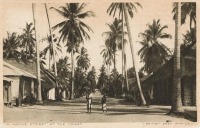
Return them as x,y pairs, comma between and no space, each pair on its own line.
10,70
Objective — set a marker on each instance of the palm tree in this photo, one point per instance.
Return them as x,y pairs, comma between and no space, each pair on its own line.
177,103
187,9
113,37
128,8
112,10
108,57
11,46
49,48
82,60
73,30
153,53
27,38
103,80
91,77
39,96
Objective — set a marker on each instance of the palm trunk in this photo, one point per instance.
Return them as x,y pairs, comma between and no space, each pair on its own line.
123,71
125,68
177,103
54,59
39,96
107,68
114,60
133,56
72,59
49,61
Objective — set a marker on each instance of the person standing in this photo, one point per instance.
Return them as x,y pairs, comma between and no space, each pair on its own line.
103,102
89,102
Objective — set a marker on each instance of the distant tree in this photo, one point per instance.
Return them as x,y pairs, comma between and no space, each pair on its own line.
11,46
63,68
81,82
91,77
28,40
49,48
83,60
107,57
103,80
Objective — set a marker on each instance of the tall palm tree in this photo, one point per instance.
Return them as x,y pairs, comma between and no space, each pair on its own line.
153,53
11,46
53,52
177,103
73,30
113,37
39,96
27,38
82,59
187,9
112,10
128,9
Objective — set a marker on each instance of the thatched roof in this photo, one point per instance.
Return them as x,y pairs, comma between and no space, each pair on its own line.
31,69
7,79
10,70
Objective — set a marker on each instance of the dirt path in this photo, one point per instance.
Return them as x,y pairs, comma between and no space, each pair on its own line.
75,111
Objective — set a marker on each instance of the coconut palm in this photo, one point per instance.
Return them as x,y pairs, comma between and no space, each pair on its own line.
63,68
49,48
127,8
189,37
177,103
187,9
153,53
113,37
103,80
27,40
72,29
82,59
11,46
91,77
107,57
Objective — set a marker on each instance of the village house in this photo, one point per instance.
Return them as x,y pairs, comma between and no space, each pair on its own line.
20,82
158,87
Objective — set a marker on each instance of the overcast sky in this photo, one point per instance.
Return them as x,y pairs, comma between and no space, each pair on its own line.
16,15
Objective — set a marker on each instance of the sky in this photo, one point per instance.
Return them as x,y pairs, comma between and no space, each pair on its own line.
16,15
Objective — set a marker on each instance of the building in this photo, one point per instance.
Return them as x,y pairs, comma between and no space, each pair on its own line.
23,83
23,74
158,87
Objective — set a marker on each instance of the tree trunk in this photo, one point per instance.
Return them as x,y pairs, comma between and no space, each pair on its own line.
54,59
49,61
177,103
125,68
39,96
123,71
114,60
72,59
133,56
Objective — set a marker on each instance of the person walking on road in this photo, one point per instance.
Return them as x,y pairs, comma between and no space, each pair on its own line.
89,102
103,102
